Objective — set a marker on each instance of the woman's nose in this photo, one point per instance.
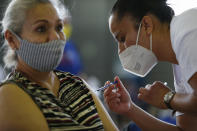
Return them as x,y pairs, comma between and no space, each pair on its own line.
54,36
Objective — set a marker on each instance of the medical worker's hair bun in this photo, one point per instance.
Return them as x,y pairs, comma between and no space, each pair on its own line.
158,2
139,8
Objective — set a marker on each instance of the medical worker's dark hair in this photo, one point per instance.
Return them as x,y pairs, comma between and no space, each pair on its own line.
139,8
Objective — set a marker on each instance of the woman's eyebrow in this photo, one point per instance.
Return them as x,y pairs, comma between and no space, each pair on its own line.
39,21
46,21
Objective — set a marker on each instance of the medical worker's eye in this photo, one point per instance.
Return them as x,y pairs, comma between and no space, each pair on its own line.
122,39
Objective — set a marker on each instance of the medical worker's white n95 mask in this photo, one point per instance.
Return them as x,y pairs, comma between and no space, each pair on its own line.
43,57
138,60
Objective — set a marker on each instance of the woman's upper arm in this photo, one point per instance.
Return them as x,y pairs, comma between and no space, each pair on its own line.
18,111
105,117
103,114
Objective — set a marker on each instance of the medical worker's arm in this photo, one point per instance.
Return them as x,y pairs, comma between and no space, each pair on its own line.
187,103
121,103
108,123
185,100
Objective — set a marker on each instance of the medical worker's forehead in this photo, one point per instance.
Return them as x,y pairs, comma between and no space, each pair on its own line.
113,23
125,24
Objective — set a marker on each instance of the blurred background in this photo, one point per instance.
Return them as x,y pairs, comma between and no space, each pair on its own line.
92,54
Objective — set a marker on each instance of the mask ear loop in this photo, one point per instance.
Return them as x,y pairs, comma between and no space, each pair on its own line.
15,35
151,42
138,34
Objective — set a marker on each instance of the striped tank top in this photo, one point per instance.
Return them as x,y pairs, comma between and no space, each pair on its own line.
73,109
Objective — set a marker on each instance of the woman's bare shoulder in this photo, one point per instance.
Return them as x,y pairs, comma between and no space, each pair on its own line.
18,110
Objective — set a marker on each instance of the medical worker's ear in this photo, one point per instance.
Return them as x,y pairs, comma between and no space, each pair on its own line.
147,24
11,39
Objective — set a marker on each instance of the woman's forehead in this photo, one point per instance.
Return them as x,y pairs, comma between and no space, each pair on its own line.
42,12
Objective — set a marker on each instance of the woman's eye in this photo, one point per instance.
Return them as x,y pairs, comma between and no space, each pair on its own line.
41,29
59,28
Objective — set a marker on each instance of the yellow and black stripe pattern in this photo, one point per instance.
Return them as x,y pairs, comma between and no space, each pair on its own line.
73,110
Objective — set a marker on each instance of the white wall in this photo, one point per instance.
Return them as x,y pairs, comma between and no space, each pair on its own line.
181,5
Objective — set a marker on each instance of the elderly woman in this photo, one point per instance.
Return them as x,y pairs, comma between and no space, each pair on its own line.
35,97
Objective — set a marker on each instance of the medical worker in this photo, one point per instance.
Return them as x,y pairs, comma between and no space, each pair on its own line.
147,32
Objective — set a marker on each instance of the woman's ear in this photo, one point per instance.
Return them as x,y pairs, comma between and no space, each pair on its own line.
12,40
147,23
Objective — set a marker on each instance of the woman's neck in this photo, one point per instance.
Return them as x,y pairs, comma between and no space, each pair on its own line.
34,75
47,80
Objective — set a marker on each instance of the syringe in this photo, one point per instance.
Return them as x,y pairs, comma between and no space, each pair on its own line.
104,87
